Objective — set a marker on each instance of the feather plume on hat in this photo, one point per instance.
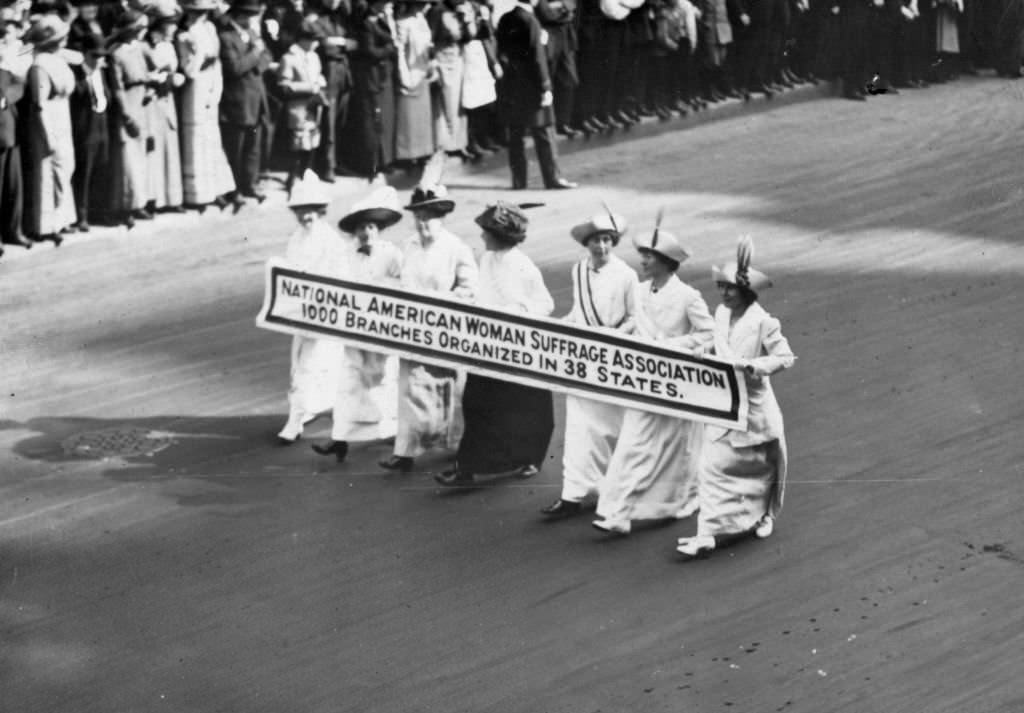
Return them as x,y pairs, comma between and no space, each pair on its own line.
430,193
740,272
600,223
661,242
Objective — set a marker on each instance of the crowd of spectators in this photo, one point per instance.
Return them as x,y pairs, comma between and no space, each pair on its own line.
113,111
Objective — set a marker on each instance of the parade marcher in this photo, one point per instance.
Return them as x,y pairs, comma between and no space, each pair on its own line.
435,260
508,425
417,71
372,116
48,157
130,79
525,96
364,409
300,77
163,142
315,362
206,175
12,88
743,473
243,107
652,474
603,297
89,104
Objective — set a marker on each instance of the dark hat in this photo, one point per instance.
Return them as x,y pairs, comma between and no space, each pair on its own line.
431,197
130,21
506,221
247,7
308,31
380,207
91,43
47,30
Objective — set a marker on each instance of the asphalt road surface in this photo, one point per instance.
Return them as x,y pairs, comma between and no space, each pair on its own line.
203,569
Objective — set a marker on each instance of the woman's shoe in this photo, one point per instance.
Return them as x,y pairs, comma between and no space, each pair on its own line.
455,478
700,546
338,448
612,527
765,527
526,471
221,202
399,463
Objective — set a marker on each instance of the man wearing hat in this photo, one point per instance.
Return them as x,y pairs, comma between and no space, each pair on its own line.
315,363
652,474
243,106
525,96
743,473
89,104
12,87
364,409
604,297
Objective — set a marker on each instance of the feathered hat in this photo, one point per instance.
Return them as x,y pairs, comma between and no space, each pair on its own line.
308,192
507,221
380,207
740,272
431,193
606,222
663,243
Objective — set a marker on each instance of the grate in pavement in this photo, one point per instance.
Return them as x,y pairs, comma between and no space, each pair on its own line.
109,442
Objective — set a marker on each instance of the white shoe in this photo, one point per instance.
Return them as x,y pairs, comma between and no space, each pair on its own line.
699,546
293,428
691,508
613,527
764,528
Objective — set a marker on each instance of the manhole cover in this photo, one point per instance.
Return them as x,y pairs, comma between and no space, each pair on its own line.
116,442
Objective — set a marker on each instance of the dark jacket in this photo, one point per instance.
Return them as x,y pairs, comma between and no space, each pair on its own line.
374,62
524,61
88,126
11,91
244,102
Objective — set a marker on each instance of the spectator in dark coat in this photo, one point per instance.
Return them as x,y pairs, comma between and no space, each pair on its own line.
558,18
243,106
11,190
89,103
524,95
334,25
372,121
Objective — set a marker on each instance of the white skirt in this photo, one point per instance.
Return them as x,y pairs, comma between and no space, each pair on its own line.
739,486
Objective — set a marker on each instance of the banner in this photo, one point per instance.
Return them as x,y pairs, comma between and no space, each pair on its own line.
536,351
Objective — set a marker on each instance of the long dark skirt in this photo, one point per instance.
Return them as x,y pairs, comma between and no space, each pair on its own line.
507,426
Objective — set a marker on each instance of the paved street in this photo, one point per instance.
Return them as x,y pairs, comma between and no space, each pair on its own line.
201,568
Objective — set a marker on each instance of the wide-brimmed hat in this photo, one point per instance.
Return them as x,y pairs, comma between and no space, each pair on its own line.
247,7
663,243
431,197
606,222
380,207
740,272
506,221
47,30
199,5
308,192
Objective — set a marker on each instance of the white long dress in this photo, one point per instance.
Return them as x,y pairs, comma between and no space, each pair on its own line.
604,298
653,471
365,408
315,363
743,474
429,398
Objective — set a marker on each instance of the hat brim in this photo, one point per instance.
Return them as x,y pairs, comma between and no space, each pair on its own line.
585,231
727,274
444,205
46,42
382,217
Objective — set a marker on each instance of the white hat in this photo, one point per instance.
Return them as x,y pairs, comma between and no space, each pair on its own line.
308,192
606,222
665,244
380,207
740,272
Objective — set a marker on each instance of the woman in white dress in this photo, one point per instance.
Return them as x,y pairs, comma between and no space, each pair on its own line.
206,175
434,260
164,154
508,425
414,134
364,409
603,297
314,362
652,474
743,473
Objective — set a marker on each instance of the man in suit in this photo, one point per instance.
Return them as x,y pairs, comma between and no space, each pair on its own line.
243,106
89,102
12,87
334,26
558,18
524,95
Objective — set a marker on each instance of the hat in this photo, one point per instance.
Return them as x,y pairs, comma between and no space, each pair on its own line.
507,221
308,192
663,243
432,197
199,5
307,30
246,7
606,222
740,272
162,10
380,207
92,43
47,30
130,21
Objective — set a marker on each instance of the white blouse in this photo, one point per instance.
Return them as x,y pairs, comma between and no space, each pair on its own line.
446,265
510,281
604,297
383,266
675,313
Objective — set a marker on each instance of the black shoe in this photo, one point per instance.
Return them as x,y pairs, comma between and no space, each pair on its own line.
221,202
625,119
258,196
561,509
455,478
54,238
566,131
601,124
399,463
561,184
237,203
338,448
20,241
663,112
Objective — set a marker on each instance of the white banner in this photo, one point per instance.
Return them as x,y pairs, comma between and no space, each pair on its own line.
536,351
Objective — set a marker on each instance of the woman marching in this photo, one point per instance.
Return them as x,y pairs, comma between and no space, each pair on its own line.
743,474
508,425
652,473
604,297
364,409
314,362
434,260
